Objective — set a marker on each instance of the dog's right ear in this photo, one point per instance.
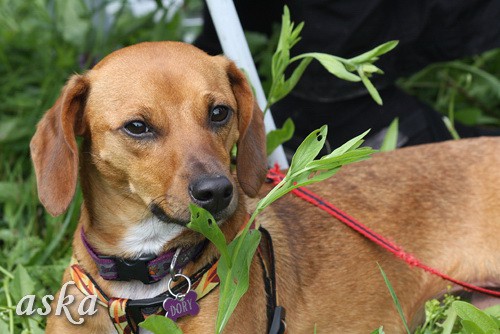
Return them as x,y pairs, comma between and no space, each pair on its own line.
251,159
54,150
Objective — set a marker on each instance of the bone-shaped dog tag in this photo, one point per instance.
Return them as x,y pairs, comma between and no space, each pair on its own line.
180,307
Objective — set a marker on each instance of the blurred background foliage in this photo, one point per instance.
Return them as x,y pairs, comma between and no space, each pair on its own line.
469,89
42,42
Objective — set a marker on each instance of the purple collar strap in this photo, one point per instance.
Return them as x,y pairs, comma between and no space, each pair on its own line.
148,268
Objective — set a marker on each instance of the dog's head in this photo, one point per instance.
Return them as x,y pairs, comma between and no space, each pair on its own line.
159,122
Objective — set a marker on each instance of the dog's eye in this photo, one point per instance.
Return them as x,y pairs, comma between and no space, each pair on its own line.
219,114
137,129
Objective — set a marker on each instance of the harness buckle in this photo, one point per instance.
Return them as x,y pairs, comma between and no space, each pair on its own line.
134,269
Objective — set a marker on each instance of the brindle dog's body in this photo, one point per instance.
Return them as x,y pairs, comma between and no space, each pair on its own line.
440,202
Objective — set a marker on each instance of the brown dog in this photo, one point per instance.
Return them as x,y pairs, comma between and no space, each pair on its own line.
159,121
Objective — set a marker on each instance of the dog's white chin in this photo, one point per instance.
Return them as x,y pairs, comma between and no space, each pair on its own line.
149,237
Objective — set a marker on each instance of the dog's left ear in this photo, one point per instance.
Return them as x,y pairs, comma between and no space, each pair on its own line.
54,150
251,159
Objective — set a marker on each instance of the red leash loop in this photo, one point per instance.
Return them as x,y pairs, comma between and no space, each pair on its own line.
276,176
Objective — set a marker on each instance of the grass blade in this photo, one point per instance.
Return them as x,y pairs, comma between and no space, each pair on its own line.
395,299
391,137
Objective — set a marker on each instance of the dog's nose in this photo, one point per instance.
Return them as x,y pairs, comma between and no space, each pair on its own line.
213,193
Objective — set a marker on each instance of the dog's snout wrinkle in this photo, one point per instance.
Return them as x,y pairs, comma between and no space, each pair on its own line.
213,193
160,214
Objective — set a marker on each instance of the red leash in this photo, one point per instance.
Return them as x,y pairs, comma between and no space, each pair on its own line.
276,176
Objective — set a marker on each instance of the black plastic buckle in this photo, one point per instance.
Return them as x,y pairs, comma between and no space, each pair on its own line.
134,269
137,308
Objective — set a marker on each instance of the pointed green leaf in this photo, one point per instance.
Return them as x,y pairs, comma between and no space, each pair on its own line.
332,65
295,34
275,64
158,324
374,53
451,128
394,298
308,149
338,161
286,27
449,323
203,222
277,137
371,89
22,283
469,327
471,314
283,87
493,311
349,145
390,141
370,68
308,178
379,330
234,281
296,75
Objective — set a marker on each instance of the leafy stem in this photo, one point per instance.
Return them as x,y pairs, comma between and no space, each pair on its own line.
359,68
236,257
340,67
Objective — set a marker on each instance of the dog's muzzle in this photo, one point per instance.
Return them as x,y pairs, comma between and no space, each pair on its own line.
212,192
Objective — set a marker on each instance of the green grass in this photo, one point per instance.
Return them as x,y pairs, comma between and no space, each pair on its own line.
45,41
42,43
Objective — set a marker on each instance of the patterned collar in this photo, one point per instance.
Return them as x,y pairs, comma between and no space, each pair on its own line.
147,269
126,314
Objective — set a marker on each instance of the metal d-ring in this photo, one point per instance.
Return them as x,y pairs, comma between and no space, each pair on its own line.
173,274
179,295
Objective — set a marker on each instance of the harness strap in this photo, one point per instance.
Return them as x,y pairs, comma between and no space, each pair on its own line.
265,253
275,313
276,176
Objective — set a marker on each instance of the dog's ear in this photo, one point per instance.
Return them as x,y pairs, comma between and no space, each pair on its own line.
251,159
54,150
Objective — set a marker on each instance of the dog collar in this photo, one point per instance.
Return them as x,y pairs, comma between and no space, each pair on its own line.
126,314
148,268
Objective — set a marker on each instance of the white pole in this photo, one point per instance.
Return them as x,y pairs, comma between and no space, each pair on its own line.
235,47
